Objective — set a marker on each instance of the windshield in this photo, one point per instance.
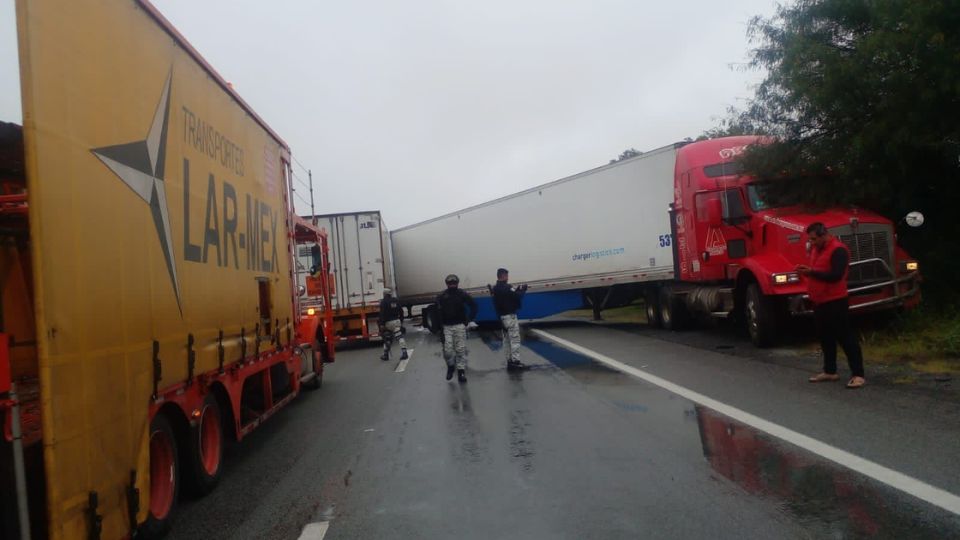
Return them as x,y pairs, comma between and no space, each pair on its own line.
730,168
756,194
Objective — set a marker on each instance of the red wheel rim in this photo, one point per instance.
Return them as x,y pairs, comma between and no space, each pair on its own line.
162,474
210,440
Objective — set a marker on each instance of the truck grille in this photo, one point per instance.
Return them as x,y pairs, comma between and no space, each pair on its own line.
868,245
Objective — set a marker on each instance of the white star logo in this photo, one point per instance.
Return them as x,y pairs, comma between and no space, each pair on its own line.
140,165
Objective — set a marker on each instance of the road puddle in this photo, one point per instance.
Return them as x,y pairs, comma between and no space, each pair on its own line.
826,499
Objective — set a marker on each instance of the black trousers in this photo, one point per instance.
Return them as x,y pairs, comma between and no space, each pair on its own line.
833,325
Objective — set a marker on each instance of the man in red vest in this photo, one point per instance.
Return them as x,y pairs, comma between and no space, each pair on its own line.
827,286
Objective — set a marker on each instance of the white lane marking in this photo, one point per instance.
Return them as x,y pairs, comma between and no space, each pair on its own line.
402,366
907,484
315,531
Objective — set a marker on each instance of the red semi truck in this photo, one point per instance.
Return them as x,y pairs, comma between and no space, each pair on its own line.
736,254
605,236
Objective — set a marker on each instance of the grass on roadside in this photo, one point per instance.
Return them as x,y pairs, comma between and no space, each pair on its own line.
922,341
927,341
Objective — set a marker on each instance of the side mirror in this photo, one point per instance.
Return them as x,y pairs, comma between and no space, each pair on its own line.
914,219
714,213
301,290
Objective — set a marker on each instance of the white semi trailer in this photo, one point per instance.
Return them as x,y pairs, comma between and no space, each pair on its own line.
589,237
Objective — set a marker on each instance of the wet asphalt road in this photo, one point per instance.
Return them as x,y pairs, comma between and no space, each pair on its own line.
573,449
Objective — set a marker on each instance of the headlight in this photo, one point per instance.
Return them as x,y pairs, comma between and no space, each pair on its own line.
911,266
786,278
311,311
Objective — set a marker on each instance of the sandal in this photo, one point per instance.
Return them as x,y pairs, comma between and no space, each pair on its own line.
824,377
856,382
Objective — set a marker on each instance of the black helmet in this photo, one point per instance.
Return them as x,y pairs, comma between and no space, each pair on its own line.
452,278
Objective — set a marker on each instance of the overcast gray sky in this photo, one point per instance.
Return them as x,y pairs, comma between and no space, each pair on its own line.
420,108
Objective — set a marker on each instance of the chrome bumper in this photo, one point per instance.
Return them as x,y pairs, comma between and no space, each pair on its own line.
904,288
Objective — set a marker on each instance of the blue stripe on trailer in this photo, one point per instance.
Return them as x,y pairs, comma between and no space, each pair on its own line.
535,305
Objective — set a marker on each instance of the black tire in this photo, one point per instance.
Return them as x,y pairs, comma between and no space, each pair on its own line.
760,316
204,458
431,319
9,522
158,524
673,312
316,382
320,344
652,305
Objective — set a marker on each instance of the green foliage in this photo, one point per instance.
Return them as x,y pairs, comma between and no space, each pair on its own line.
922,334
627,154
735,123
863,97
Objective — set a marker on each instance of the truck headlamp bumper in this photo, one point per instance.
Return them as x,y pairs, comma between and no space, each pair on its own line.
911,266
311,312
785,278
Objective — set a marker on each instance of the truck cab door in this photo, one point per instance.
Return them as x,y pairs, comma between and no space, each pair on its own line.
722,231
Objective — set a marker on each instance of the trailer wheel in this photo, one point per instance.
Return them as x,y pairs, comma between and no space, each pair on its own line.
760,316
316,382
652,304
205,459
164,478
321,345
431,319
673,313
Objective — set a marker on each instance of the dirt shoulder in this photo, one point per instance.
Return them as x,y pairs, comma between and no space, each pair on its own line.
918,351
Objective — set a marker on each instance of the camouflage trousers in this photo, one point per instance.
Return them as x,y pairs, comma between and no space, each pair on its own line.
511,337
395,328
455,345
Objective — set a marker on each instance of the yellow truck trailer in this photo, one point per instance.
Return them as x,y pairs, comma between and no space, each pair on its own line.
147,239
